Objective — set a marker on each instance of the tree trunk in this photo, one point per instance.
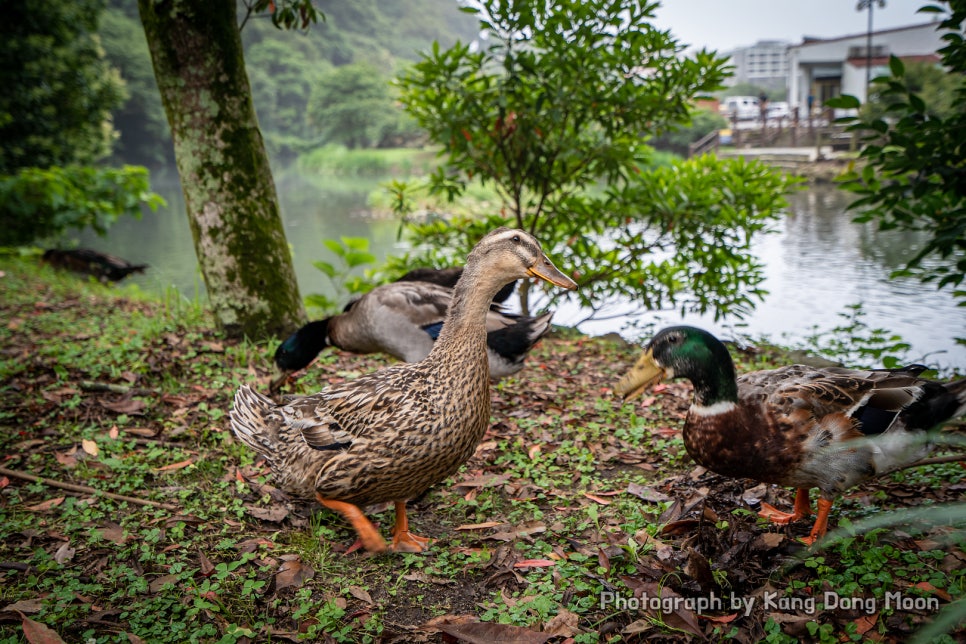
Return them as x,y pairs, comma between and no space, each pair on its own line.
225,176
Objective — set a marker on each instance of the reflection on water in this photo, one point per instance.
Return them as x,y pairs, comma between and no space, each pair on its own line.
817,263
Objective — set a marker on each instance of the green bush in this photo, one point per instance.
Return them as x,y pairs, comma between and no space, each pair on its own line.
39,203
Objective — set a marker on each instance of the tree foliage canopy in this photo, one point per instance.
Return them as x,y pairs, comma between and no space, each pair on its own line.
553,111
914,176
58,89
352,105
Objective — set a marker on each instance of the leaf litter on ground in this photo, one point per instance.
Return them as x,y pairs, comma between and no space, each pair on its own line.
569,496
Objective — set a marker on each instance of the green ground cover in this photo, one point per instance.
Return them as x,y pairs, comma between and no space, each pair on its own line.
573,511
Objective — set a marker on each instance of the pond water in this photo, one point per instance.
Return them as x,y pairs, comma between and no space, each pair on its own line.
818,263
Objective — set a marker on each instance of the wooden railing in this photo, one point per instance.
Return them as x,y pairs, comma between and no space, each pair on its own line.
707,143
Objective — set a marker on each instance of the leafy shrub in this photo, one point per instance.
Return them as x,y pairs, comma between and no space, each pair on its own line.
39,203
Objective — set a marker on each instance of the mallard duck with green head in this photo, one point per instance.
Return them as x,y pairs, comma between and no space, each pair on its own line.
799,426
404,319
389,435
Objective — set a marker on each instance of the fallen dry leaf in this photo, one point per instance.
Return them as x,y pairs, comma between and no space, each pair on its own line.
160,582
113,532
488,633
90,447
929,588
563,624
29,606
141,431
37,633
598,499
637,627
66,459
176,466
293,573
479,526
719,619
204,563
127,406
648,494
64,553
360,594
535,563
251,545
522,530
275,514
864,623
45,505
771,539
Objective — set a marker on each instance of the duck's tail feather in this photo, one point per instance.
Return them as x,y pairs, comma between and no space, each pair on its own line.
251,422
936,404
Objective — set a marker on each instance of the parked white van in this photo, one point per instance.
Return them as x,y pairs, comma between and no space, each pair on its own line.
742,108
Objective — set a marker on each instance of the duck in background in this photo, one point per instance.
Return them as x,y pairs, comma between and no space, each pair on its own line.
448,277
389,435
106,268
804,427
404,319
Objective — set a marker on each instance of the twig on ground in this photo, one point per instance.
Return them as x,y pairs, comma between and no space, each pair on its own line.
88,385
83,489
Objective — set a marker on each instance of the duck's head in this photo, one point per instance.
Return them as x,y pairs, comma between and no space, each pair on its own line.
507,254
301,348
676,352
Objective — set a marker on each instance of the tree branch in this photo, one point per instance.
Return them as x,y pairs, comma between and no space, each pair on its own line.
83,489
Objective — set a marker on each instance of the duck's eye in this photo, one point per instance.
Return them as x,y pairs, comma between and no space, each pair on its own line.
674,339
516,239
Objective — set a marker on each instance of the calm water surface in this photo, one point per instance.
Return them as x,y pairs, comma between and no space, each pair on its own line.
818,263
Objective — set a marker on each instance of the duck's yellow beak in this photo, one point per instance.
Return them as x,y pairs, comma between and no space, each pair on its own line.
642,375
545,270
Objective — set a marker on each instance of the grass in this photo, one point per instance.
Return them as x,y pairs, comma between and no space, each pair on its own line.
569,496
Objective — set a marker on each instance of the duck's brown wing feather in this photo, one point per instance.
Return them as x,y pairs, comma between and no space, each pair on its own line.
365,408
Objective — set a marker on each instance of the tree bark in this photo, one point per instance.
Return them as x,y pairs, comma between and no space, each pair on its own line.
229,193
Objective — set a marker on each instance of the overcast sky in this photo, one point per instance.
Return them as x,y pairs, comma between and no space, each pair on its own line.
725,24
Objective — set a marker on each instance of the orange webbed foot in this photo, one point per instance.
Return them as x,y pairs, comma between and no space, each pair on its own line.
402,539
801,510
409,542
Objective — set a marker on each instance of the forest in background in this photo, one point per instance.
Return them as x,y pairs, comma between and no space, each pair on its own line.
374,39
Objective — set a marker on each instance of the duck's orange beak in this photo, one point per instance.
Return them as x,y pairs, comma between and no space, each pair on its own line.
642,375
545,270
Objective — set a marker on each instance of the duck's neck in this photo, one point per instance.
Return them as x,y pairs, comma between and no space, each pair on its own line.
466,318
715,388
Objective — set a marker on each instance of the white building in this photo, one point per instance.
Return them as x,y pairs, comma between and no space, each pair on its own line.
826,68
764,64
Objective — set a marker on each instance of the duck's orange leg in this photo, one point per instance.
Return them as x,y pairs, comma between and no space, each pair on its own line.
802,509
367,532
402,539
821,522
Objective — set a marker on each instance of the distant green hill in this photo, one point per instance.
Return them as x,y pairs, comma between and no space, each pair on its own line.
282,66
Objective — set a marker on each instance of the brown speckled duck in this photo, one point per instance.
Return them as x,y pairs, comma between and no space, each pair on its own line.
391,434
799,426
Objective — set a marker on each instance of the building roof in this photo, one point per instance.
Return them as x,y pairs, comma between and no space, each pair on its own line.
879,61
811,40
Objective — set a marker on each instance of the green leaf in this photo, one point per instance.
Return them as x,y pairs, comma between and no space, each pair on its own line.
326,268
356,243
845,102
334,246
896,66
